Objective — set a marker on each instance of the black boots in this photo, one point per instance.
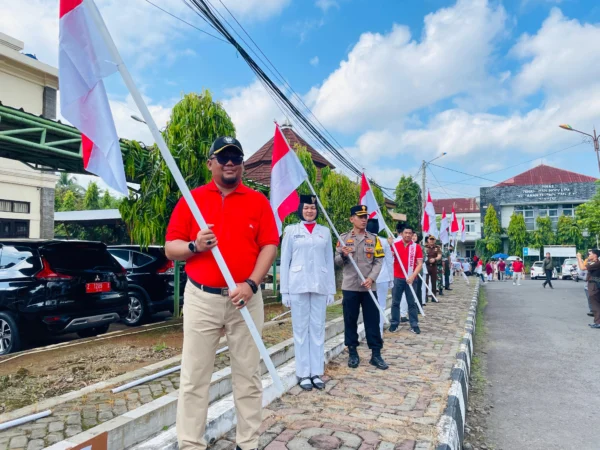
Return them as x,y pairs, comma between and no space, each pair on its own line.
377,361
353,359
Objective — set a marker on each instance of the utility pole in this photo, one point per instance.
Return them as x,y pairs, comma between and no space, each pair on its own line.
423,181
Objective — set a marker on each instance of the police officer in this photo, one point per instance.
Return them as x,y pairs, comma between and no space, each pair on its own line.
385,280
365,249
440,269
433,255
308,286
447,259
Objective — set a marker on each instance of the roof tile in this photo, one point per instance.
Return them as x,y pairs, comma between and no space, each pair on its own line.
543,174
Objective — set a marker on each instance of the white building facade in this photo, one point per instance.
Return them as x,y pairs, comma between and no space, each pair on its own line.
467,208
26,194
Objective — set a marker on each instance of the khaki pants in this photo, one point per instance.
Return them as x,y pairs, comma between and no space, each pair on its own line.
204,315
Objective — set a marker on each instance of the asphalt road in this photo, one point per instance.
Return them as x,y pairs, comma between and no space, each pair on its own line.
544,364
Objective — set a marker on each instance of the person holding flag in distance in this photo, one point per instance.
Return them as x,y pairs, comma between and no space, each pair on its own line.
308,286
385,280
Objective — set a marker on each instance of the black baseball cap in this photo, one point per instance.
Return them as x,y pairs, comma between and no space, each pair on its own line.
359,210
224,142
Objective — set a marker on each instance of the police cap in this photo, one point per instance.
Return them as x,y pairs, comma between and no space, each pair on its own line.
359,210
224,142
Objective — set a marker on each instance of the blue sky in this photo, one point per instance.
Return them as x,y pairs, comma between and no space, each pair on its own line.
395,81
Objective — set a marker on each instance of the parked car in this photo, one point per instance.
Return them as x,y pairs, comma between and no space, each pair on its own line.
537,271
151,279
56,287
565,269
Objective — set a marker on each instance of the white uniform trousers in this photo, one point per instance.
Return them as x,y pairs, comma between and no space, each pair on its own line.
308,324
382,293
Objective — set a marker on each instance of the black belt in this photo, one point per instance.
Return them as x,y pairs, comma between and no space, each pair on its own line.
211,290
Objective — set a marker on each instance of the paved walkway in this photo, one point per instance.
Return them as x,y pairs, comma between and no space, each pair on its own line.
369,409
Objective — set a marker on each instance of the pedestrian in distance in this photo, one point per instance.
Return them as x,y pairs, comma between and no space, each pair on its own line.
593,282
241,221
385,280
548,267
489,271
501,270
433,255
479,270
466,266
367,252
517,268
411,256
308,286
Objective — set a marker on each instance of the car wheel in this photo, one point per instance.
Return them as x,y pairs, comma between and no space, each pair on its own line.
91,332
137,310
10,340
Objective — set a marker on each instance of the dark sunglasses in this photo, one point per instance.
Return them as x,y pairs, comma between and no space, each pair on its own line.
224,159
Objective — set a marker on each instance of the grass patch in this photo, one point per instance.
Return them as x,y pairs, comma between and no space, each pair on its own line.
160,347
477,370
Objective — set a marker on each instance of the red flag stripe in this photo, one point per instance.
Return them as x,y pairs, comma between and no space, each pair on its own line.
86,149
288,206
67,6
280,147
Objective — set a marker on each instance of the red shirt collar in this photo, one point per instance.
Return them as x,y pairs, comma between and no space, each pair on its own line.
240,189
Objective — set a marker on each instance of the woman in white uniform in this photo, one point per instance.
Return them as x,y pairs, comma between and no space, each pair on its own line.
308,286
385,280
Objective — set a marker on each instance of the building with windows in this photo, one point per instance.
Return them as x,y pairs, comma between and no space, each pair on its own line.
543,191
467,208
26,194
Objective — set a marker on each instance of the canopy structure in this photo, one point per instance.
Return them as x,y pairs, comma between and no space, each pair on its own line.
41,143
89,217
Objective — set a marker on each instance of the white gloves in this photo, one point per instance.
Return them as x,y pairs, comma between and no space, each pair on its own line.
391,285
286,300
330,300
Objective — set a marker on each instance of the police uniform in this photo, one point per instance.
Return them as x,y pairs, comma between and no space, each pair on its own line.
440,274
385,280
308,285
432,252
367,252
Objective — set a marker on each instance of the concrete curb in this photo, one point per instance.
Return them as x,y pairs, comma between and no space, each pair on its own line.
144,422
452,423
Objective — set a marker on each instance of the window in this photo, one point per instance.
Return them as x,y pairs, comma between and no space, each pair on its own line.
16,261
79,256
549,211
140,260
122,257
568,210
469,250
10,228
14,207
470,225
527,213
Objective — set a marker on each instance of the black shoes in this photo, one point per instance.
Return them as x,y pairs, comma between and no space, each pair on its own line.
377,361
306,383
415,330
353,359
393,328
238,448
591,314
317,382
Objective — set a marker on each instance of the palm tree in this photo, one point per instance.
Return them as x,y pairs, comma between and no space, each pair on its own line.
68,182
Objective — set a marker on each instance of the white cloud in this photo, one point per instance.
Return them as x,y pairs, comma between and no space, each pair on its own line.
561,56
387,76
127,128
314,61
325,5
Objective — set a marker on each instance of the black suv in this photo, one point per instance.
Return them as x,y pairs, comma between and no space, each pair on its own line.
151,279
57,287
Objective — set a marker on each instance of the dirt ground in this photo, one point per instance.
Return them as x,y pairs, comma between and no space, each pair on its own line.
32,377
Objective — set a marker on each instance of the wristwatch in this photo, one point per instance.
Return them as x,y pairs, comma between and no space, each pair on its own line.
252,285
192,246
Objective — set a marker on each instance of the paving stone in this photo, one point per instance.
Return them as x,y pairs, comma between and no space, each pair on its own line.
406,445
133,405
40,433
307,433
89,413
287,435
147,399
3,444
349,439
299,444
36,444
74,419
53,438
73,430
119,410
276,445
324,442
18,442
222,444
301,424
265,439
105,416
89,423
56,426
386,446
278,428
370,437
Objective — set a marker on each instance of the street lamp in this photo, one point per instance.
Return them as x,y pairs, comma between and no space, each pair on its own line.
594,139
424,175
137,119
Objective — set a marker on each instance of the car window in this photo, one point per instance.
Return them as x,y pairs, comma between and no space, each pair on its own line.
140,259
570,262
122,257
17,259
538,264
79,256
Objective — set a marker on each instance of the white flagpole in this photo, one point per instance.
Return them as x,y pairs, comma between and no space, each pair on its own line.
337,235
166,154
389,233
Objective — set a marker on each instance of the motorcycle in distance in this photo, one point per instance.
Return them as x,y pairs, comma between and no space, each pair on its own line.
574,272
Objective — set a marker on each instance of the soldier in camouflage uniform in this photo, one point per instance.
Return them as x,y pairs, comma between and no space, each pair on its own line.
440,271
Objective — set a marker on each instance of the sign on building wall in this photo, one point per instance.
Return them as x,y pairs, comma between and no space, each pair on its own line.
528,251
561,252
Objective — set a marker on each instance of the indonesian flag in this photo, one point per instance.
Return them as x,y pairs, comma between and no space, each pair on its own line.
83,61
287,174
463,230
367,198
428,223
444,237
454,222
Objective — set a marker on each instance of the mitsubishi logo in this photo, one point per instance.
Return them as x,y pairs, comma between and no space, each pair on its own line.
97,278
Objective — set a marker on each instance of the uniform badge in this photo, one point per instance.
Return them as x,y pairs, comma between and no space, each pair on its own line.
368,241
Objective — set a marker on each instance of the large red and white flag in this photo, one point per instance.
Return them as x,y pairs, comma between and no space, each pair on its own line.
83,61
367,198
444,236
287,174
463,230
428,223
454,223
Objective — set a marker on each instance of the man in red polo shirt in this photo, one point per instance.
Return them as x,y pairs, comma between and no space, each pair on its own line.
241,222
411,255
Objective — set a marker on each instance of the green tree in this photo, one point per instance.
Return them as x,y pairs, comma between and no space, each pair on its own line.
409,200
588,216
339,194
195,122
517,234
492,231
91,200
568,232
69,202
108,201
544,234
